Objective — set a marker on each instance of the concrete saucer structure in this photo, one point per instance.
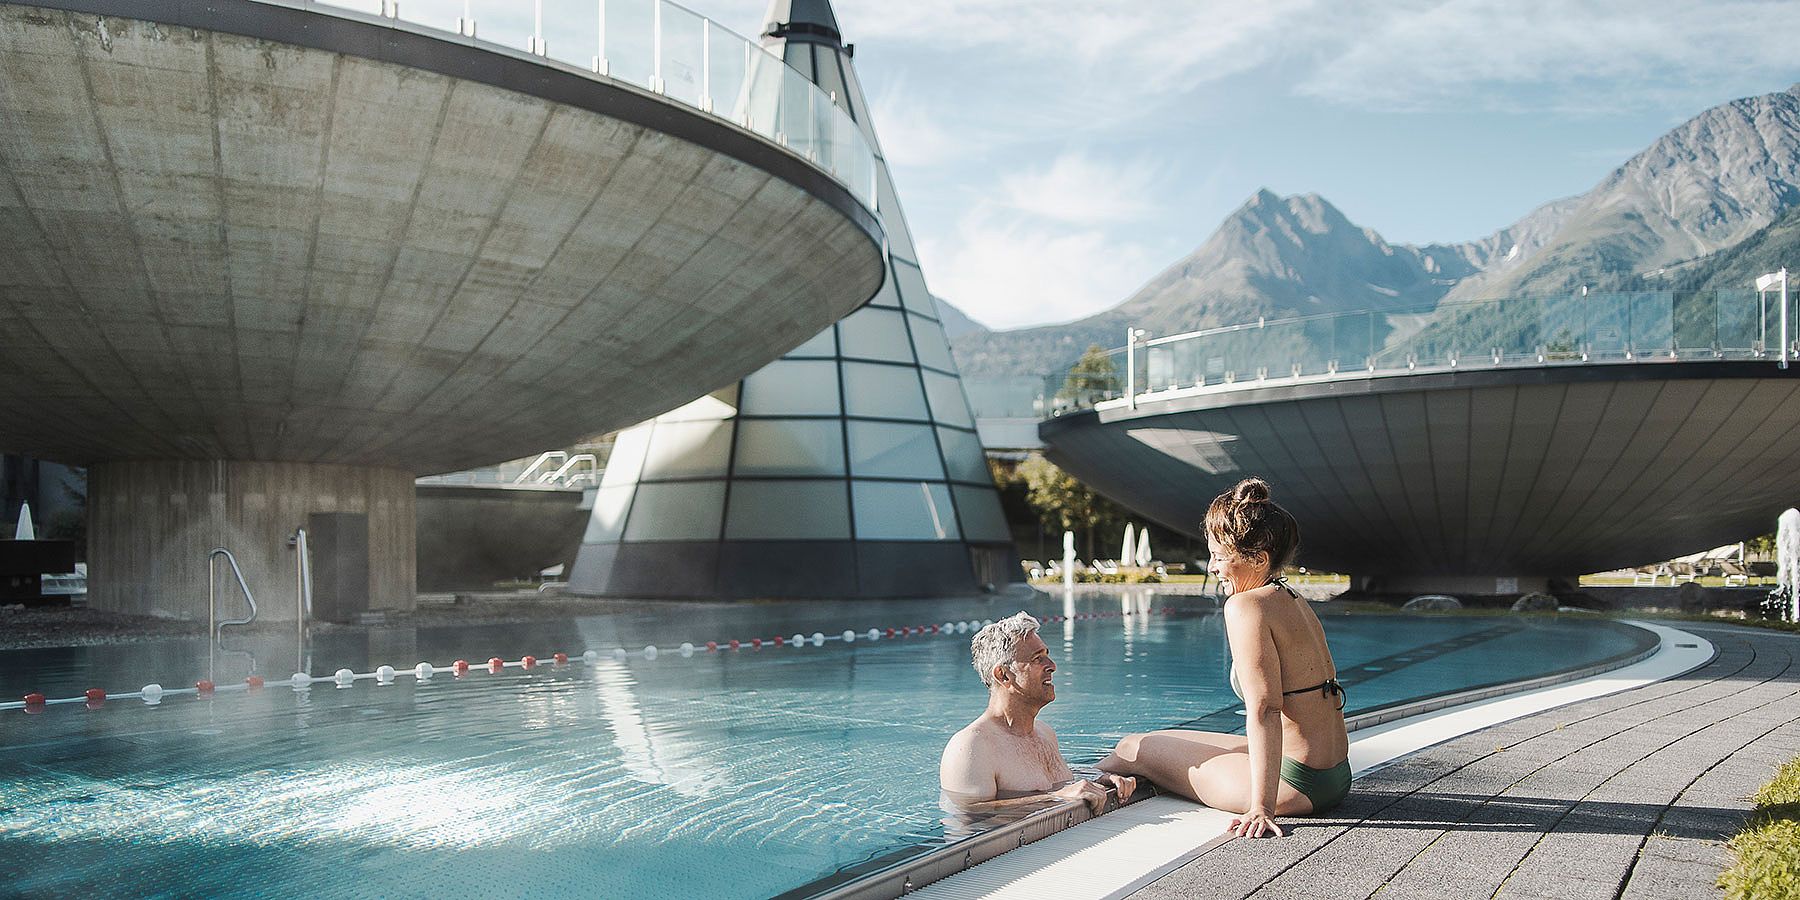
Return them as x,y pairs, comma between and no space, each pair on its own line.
269,260
1500,446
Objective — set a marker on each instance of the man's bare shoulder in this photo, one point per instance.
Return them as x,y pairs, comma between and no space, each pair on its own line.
967,766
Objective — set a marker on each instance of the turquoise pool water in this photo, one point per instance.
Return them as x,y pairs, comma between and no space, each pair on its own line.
741,774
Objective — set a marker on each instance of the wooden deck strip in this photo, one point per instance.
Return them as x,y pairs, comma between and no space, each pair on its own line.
1628,795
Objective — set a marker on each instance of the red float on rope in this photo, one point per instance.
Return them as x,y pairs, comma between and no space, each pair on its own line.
712,646
254,682
755,643
934,629
890,632
204,687
734,643
460,667
95,696
34,699
561,658
496,664
528,662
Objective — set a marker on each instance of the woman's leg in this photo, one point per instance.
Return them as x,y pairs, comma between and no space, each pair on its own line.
1169,758
1223,782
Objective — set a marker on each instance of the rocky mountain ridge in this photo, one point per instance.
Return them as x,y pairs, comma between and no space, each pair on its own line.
1703,187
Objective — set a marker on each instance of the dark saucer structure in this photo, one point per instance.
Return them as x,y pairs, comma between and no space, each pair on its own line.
1488,475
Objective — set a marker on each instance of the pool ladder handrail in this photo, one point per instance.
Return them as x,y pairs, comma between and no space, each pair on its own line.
215,626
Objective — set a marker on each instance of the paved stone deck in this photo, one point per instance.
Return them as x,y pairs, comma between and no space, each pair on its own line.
1629,796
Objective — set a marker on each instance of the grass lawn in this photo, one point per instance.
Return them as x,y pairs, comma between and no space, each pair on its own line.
1768,849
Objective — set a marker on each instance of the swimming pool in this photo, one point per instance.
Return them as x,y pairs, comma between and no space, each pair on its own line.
731,774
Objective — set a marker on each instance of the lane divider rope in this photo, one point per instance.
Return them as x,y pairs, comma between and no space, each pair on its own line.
153,694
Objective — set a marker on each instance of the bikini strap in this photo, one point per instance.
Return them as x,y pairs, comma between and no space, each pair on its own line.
1330,687
1280,581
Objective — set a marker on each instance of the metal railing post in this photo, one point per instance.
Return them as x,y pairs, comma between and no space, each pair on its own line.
1784,318
656,42
302,591
1131,368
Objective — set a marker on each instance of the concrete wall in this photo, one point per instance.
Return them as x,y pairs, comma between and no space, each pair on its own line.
152,524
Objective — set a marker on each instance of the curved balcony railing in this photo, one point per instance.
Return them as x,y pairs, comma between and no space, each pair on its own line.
1579,329
656,46
1594,329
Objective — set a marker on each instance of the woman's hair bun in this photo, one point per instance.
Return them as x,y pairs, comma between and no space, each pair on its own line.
1251,490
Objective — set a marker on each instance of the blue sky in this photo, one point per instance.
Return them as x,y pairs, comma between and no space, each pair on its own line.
1054,156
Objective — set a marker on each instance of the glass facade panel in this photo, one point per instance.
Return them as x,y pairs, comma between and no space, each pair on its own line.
729,87
871,333
792,388
928,341
903,511
947,402
767,510
899,239
630,40
688,450
627,460
913,293
720,404
887,296
889,392
796,125
607,522
571,29
891,450
439,14
682,54
790,447
677,511
762,103
982,519
822,344
964,456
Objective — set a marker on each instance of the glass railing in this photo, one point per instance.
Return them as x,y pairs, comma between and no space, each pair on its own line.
662,48
1591,329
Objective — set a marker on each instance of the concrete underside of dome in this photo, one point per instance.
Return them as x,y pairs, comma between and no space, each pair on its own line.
261,234
1469,479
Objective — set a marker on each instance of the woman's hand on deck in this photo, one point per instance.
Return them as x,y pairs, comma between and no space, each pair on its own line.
1257,822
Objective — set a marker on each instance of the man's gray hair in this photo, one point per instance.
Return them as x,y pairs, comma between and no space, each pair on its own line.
996,643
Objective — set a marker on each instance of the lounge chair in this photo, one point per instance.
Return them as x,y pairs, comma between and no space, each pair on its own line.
1734,572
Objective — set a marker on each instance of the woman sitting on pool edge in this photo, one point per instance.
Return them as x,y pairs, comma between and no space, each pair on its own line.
1293,759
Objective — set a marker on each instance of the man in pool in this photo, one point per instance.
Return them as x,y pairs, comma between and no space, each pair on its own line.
1007,756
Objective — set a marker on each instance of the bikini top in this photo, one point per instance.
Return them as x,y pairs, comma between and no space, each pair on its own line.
1329,687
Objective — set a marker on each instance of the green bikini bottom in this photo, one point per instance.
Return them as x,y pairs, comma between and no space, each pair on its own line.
1326,788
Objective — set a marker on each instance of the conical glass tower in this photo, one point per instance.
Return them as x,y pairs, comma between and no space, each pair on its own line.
847,468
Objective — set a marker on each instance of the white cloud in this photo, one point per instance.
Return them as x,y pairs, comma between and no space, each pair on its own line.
912,133
1079,189
1573,55
1009,273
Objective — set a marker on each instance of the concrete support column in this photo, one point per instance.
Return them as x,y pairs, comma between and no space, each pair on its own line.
151,524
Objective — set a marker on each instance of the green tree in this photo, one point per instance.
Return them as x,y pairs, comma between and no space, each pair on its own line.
1092,377
1064,503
